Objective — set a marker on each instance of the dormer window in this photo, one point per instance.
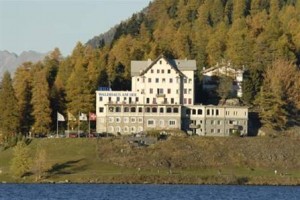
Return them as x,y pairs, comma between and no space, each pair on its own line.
160,62
152,71
169,71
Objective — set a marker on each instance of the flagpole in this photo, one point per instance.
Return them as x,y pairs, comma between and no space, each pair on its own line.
89,124
78,125
56,124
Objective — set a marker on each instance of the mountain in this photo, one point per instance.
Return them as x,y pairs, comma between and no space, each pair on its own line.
10,61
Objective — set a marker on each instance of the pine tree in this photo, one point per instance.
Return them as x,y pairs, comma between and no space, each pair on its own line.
41,104
9,115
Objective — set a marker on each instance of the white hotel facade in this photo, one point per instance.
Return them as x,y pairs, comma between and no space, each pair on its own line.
162,98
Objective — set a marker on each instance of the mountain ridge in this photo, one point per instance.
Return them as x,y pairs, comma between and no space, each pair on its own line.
10,61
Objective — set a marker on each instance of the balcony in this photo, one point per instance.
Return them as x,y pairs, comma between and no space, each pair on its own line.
161,95
194,126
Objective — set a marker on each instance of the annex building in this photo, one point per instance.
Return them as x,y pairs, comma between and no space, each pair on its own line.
162,98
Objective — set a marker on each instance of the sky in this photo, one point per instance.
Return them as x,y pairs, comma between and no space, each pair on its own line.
42,25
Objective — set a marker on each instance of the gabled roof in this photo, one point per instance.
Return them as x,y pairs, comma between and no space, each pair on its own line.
139,68
228,65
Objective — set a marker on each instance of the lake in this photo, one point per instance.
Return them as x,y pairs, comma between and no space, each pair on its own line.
145,192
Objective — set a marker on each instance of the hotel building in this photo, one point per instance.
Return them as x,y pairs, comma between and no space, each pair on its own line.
162,98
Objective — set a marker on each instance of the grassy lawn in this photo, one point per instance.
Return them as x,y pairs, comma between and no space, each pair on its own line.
79,160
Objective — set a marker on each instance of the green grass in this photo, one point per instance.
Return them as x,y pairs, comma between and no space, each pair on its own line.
115,161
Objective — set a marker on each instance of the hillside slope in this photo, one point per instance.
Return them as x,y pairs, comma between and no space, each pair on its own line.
176,160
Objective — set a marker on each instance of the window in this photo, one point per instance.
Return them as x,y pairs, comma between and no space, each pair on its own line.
169,91
150,122
185,91
136,99
208,112
162,71
137,79
161,110
110,120
169,110
199,111
217,112
148,109
184,101
160,90
101,109
118,119
118,98
148,100
175,110
158,71
111,109
212,130
152,71
169,71
176,91
190,80
154,109
172,100
126,109
149,80
133,109
126,120
157,80
140,120
133,129
151,91
212,122
185,80
219,131
118,109
163,80
100,98
194,111
171,80
140,109
126,129
212,112
154,101
190,101
172,122
109,99
133,119
219,122
160,62
190,91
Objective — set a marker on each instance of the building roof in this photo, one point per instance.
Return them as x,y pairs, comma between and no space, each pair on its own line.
141,67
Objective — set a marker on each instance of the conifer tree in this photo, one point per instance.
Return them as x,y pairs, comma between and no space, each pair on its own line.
41,104
22,87
9,115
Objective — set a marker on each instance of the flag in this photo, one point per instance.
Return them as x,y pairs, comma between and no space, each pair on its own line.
71,117
92,116
82,117
60,117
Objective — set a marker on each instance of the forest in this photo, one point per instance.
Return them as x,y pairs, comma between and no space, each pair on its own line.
262,36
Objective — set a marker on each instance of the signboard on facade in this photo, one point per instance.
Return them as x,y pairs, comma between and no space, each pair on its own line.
117,94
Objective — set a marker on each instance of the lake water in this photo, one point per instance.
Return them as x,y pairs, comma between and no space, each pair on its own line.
144,192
